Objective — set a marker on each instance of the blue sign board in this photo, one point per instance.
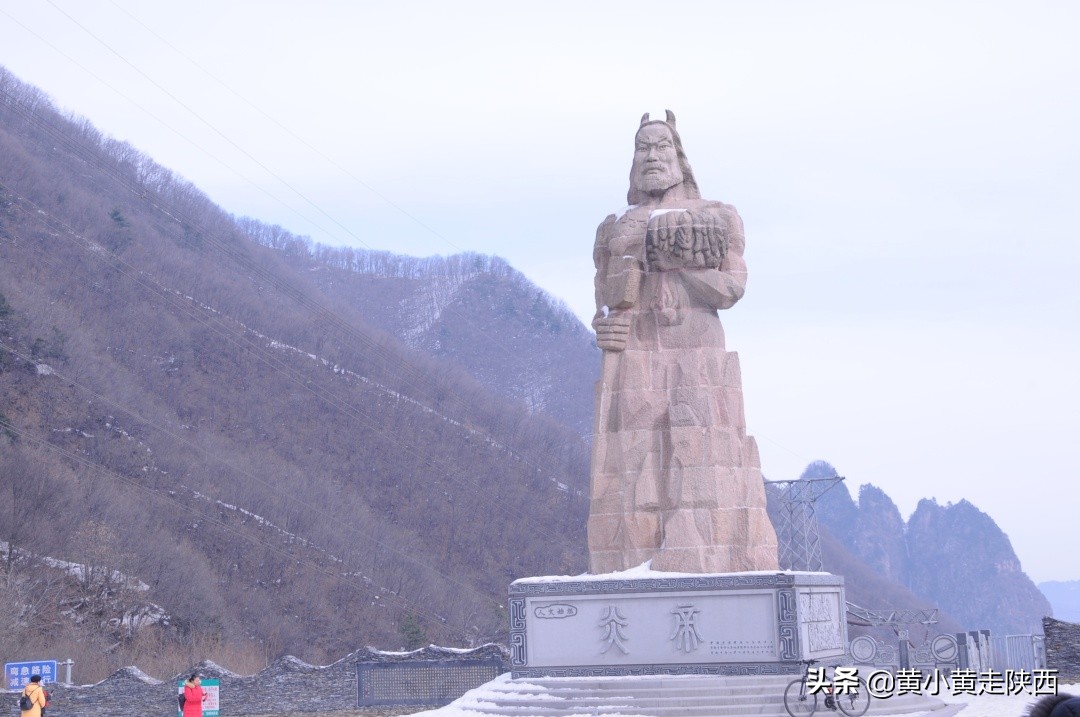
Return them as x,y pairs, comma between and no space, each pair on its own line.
17,674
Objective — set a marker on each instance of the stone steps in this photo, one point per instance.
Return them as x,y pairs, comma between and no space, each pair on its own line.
652,696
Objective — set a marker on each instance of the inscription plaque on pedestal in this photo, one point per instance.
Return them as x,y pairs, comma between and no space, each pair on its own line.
660,623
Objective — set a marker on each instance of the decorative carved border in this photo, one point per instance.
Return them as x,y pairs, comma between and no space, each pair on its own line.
703,582
727,670
517,632
788,628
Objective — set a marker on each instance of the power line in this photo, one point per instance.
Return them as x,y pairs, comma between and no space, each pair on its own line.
169,127
210,125
287,130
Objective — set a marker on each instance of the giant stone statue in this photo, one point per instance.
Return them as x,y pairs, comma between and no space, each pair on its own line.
675,479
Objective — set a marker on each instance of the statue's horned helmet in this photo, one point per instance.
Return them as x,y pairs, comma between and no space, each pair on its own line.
670,118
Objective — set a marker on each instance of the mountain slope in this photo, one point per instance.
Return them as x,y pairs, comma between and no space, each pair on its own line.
275,468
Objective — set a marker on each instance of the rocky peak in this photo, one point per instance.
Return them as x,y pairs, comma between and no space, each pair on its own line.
879,534
963,561
953,556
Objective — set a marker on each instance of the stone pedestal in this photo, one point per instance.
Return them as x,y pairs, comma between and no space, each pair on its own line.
641,622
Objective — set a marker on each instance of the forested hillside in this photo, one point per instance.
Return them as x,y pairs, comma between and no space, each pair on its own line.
475,311
186,406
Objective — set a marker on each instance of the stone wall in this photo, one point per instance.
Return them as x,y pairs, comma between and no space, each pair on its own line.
287,685
1063,649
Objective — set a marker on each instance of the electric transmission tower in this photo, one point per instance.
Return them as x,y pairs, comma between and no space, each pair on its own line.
797,531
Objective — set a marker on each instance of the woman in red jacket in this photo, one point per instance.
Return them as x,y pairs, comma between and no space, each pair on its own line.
193,697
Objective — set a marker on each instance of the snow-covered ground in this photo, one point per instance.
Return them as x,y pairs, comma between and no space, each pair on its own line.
969,706
1000,705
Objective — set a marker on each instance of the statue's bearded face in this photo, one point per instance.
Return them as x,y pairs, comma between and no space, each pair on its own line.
656,161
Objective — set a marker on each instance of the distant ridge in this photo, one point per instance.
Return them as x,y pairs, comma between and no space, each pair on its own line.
475,310
1064,596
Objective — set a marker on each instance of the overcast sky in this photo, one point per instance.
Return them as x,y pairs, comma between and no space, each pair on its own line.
908,175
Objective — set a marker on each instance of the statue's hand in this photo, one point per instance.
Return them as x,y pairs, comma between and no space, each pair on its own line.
612,331
683,239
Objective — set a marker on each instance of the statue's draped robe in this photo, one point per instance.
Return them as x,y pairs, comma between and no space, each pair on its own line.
675,479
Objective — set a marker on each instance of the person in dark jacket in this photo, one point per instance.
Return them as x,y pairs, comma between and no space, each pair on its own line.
1059,705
